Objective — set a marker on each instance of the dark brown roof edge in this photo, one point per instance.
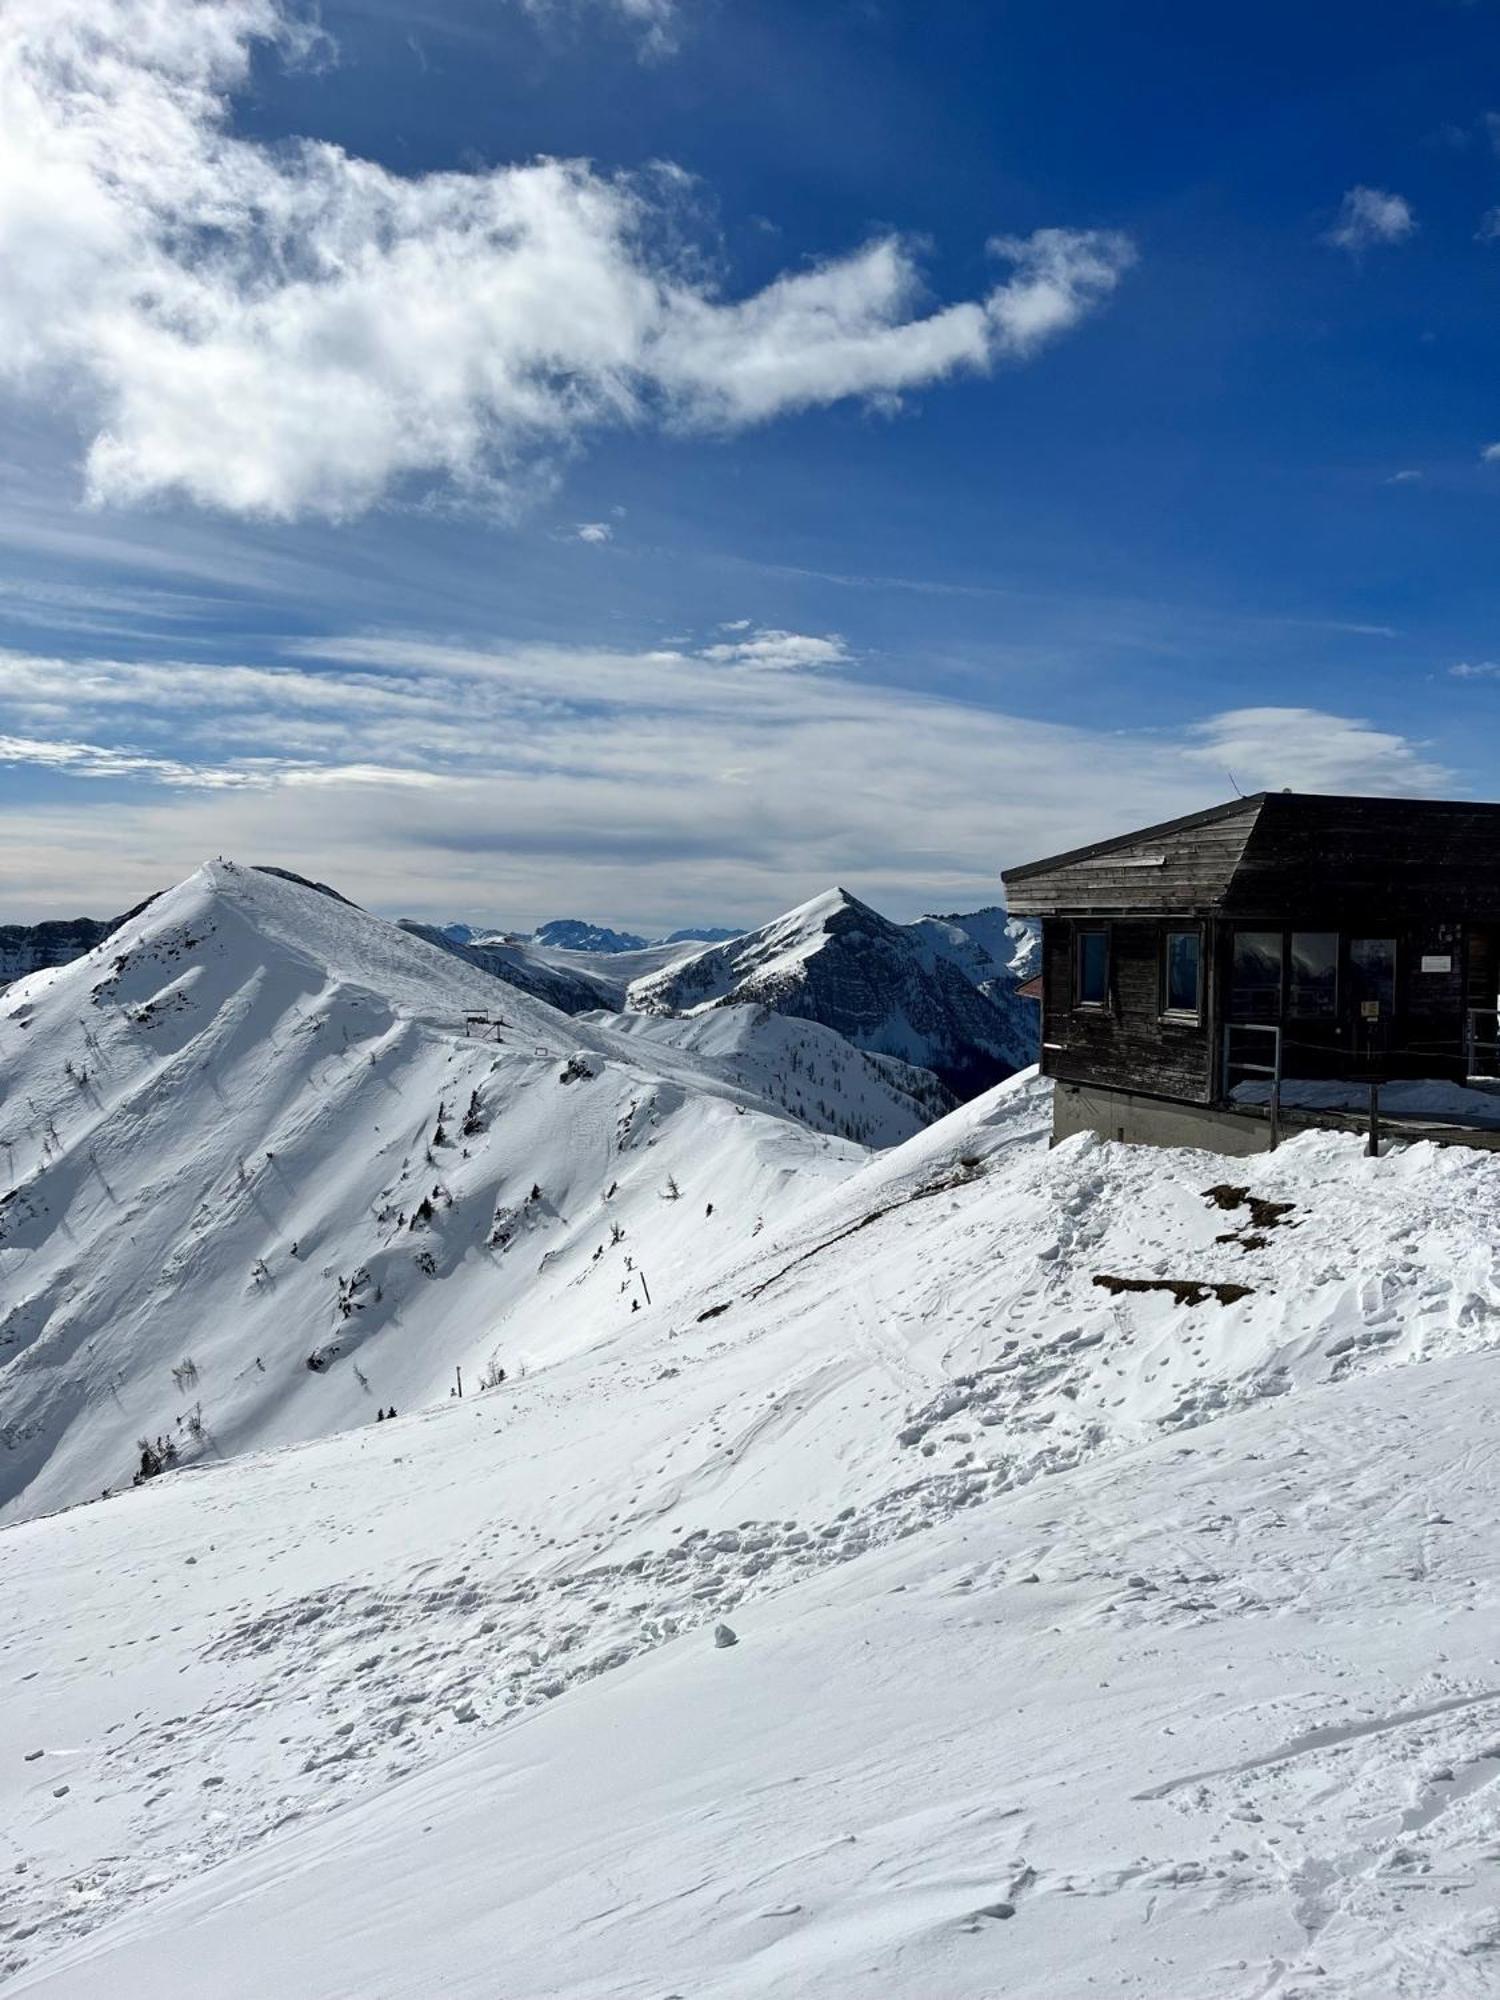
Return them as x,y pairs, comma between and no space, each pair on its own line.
1130,839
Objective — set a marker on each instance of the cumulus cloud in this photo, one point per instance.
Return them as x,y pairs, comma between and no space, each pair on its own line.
283,330
781,651
1369,216
1490,455
427,778
594,531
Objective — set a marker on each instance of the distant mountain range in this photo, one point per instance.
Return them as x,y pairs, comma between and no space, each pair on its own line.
577,934
939,994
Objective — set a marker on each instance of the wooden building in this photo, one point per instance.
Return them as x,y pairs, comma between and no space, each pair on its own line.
1314,936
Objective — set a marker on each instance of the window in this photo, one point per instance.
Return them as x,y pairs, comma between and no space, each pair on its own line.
1184,980
1372,972
1313,976
1091,968
1255,976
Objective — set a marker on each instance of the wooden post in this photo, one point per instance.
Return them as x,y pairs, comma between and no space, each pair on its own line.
1372,1146
459,1373
644,1287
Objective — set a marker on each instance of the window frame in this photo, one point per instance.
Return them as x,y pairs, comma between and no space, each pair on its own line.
1300,1015
1166,1011
1080,932
1278,1013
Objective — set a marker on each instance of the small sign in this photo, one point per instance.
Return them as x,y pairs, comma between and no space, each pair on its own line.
1437,962
1369,1010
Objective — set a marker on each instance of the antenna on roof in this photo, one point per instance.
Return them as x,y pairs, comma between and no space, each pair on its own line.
1233,781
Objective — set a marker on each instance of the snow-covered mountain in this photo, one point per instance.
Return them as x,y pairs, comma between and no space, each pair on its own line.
573,934
263,1172
702,934
995,950
905,990
1055,1572
807,1069
565,987
26,948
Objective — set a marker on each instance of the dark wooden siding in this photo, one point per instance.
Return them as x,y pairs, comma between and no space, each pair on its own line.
1126,1045
1373,865
1186,866
1380,864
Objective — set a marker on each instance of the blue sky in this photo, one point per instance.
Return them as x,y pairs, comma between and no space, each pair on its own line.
653,458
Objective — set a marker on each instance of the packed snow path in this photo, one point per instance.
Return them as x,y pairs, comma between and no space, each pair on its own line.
1218,1716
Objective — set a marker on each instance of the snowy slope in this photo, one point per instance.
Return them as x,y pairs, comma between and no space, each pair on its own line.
561,986
988,946
808,1070
241,1205
27,948
1090,1638
885,987
1135,1734
615,972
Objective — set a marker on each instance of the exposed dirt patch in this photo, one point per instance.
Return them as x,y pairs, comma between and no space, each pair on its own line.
1186,1291
1263,1214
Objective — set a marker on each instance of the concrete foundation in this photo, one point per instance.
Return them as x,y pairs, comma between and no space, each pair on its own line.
1135,1120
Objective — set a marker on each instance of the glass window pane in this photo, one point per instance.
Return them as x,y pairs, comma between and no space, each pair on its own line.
1372,971
1184,958
1314,975
1093,968
1255,978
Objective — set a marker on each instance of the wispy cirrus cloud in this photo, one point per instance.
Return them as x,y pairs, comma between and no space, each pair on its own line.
657,23
1307,750
286,330
1370,216
749,770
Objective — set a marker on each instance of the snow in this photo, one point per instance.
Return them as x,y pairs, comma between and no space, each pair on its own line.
881,1606
806,1068
911,991
219,1129
1432,1098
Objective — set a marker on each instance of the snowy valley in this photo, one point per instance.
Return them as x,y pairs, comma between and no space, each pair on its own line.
900,1557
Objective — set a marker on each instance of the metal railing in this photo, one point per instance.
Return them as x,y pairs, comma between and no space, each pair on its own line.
1272,1069
1475,1042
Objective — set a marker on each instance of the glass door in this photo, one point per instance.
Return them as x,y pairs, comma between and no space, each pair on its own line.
1372,989
1372,976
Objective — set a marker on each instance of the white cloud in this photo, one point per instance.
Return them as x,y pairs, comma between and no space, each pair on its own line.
1490,455
286,330
426,778
1408,477
594,531
781,651
1305,750
1368,216
1489,227
1476,670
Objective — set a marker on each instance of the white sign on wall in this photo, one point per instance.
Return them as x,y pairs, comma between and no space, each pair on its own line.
1439,962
